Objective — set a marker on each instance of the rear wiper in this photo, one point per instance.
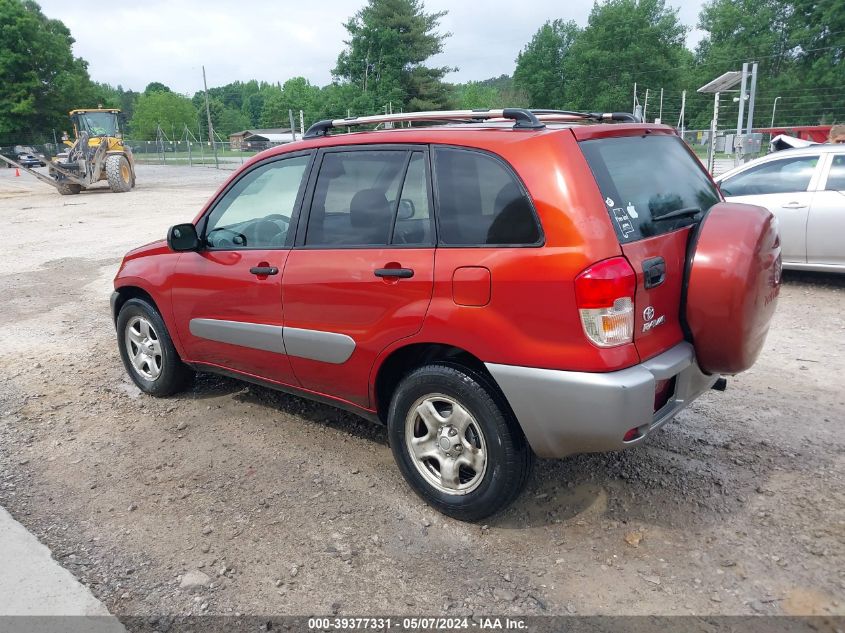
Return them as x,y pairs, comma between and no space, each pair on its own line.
678,213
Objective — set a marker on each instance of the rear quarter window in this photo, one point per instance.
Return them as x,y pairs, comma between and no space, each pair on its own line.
481,203
644,178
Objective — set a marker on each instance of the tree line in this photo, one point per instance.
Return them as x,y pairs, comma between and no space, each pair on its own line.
798,44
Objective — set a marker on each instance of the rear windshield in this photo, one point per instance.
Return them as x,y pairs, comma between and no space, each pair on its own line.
644,178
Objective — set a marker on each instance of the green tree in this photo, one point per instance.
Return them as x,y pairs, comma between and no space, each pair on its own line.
112,97
625,41
817,37
156,86
230,120
170,110
296,94
475,95
338,100
41,79
800,50
540,65
389,42
254,106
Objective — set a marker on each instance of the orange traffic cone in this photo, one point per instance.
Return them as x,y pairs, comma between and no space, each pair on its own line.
17,172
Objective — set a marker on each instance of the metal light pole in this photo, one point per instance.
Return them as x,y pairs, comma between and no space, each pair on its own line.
723,82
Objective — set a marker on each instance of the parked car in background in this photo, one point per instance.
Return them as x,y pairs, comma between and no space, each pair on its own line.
25,155
521,283
805,189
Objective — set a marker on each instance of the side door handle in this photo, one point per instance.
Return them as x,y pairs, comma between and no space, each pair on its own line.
401,273
794,205
264,270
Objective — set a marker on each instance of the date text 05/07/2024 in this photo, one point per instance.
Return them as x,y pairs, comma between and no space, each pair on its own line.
416,624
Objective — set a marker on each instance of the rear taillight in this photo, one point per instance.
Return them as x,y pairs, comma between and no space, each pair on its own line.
604,294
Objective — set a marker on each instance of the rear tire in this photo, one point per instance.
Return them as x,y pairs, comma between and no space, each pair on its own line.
147,351
69,188
456,441
118,173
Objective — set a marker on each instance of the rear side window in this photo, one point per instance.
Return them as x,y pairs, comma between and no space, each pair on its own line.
644,178
836,177
413,215
480,201
355,198
788,175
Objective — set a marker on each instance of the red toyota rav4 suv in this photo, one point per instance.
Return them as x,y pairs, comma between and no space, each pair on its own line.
511,283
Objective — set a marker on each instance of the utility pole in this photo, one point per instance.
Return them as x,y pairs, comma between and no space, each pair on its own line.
208,114
683,109
634,107
711,151
301,124
739,121
645,106
750,123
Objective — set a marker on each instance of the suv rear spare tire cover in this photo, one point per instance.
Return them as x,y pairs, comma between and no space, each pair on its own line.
733,282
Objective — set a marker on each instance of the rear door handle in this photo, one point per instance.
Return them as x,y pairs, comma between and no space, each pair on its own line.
401,273
794,205
264,270
654,272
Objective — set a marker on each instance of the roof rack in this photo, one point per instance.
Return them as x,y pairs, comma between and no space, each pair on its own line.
525,119
548,115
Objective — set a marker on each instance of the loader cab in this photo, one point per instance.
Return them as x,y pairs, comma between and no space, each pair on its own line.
102,123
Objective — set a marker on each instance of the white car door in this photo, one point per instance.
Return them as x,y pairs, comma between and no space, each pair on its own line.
782,186
826,223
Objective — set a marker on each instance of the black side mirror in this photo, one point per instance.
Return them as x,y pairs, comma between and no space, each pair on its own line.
183,237
406,209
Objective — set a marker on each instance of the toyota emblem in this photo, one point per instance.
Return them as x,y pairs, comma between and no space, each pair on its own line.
648,313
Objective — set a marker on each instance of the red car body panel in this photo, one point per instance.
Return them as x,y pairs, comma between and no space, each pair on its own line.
217,284
336,291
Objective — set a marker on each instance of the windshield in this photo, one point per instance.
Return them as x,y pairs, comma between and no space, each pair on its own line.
651,184
97,123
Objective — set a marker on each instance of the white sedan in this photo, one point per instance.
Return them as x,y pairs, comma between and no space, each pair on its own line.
805,189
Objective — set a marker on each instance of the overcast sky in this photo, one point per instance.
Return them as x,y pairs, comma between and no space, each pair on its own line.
170,40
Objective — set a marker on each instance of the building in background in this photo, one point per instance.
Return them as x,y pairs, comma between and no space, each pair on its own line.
260,139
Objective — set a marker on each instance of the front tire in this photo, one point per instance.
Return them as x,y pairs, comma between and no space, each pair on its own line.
456,442
69,188
147,351
118,173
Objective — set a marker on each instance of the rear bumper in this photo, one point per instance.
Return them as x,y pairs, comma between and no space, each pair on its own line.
566,412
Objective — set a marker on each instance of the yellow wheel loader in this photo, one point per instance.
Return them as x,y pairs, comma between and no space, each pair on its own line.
96,153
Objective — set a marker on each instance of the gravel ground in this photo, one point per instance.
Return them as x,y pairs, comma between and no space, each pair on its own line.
236,499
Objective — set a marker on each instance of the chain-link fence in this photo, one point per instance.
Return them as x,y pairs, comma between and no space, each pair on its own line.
189,152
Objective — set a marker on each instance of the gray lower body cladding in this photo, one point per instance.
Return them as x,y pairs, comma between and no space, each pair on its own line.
566,412
327,347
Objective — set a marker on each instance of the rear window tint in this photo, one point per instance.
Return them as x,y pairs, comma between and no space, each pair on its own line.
642,178
481,202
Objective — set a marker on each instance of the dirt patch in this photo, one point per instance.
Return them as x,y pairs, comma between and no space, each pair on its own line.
292,507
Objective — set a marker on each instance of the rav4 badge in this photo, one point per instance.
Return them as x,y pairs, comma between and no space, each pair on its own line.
650,321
